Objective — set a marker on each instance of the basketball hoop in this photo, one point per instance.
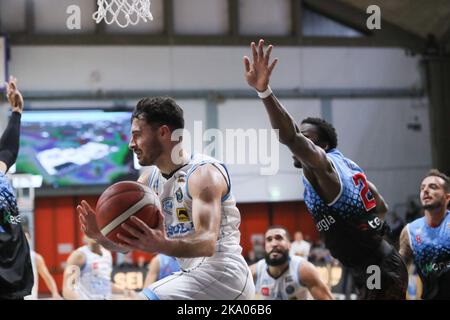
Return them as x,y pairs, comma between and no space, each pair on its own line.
123,12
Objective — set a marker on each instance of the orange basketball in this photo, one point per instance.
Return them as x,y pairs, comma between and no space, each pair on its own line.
121,201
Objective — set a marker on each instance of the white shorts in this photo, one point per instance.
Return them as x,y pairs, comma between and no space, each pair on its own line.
225,278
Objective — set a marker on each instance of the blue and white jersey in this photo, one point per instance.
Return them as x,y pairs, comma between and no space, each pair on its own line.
176,203
95,277
431,250
286,287
351,231
167,266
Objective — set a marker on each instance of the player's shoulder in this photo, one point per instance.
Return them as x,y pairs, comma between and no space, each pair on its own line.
199,160
340,160
147,174
416,225
78,256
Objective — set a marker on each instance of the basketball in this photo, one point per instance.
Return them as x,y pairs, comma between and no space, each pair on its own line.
121,201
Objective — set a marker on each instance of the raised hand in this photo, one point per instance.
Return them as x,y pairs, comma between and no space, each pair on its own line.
13,94
90,228
88,221
257,72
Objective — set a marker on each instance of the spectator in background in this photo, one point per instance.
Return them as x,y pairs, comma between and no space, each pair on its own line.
413,211
141,262
319,254
396,228
127,260
299,246
251,257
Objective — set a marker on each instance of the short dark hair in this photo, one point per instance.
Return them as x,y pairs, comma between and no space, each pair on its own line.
443,176
160,111
327,133
275,226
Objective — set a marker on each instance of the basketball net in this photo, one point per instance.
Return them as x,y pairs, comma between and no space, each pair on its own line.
123,12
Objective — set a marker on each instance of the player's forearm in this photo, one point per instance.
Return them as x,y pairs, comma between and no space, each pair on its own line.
9,142
321,292
196,245
280,119
110,245
405,247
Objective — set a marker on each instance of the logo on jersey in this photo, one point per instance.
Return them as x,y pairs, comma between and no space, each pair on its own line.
9,218
290,289
288,279
179,229
265,291
182,215
167,205
179,195
375,223
181,180
324,224
436,267
418,239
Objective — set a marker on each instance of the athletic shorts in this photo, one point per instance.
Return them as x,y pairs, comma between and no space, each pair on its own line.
393,277
224,278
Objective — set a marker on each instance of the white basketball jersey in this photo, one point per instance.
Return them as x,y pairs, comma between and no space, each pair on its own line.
176,204
95,278
286,287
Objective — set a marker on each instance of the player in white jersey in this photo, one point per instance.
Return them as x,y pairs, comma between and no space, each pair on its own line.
283,277
87,275
199,224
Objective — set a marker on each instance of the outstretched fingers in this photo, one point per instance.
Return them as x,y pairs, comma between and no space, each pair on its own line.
267,55
12,84
254,52
247,64
261,50
135,232
272,66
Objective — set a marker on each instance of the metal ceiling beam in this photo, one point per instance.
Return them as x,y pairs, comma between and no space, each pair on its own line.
389,36
200,40
357,93
356,19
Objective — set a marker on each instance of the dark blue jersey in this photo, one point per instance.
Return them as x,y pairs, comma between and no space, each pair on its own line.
16,274
351,230
431,250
